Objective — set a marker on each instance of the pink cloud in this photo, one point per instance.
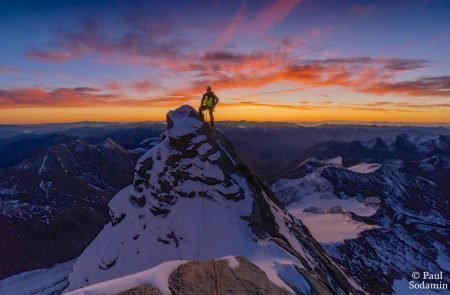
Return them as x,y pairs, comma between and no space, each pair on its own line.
6,70
230,29
81,97
90,37
361,74
271,15
114,86
143,86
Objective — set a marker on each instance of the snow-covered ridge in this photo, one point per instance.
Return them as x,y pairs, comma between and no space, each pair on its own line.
193,199
424,143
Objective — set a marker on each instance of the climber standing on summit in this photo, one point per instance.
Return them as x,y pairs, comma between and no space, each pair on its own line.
209,102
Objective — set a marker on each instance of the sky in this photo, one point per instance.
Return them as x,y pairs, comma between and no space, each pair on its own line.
279,60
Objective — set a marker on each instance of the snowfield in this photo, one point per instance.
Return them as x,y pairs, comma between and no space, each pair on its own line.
312,200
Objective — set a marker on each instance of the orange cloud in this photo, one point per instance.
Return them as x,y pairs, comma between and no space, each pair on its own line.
78,97
227,70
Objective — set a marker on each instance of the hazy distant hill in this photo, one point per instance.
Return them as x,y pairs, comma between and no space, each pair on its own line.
266,147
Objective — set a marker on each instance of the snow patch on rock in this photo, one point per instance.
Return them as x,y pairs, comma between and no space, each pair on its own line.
157,277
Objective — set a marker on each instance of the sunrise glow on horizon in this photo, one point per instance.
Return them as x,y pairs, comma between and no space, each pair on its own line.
282,60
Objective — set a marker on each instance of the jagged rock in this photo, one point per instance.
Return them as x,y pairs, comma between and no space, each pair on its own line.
199,277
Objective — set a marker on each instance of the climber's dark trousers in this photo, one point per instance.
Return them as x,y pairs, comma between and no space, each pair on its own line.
211,114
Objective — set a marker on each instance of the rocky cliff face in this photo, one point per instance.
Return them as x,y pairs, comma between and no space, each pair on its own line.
387,209
193,199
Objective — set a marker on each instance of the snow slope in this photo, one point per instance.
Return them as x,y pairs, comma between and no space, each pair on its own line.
157,277
38,282
312,199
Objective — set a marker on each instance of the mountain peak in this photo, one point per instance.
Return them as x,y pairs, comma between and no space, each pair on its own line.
193,199
110,144
182,121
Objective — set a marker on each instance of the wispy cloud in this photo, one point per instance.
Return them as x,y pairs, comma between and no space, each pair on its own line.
6,70
228,70
78,97
428,86
270,15
49,56
134,37
231,28
394,64
126,40
143,86
94,97
272,105
423,106
393,107
389,107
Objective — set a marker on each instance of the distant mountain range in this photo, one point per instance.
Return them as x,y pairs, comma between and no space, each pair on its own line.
379,208
266,147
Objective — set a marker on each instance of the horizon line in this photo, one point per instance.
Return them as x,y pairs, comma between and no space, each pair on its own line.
318,123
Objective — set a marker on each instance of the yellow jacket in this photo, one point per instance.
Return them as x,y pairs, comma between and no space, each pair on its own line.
209,100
